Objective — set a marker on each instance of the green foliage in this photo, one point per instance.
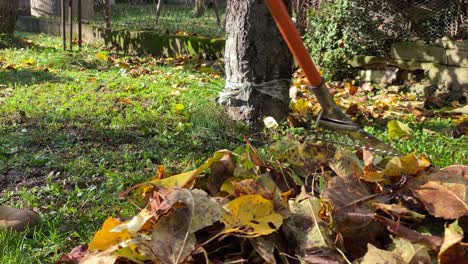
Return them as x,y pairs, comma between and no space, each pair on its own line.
336,32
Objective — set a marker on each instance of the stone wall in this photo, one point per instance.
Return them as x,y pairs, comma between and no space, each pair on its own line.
443,64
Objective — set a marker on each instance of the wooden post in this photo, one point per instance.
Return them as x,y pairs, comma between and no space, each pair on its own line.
80,33
64,32
70,22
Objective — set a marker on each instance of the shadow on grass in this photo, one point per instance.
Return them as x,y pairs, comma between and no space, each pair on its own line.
26,76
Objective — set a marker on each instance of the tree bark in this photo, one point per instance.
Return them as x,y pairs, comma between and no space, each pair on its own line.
258,65
106,10
158,7
8,13
200,6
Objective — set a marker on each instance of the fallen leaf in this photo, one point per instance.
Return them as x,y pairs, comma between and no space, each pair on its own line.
220,171
410,164
170,240
449,202
379,256
105,238
400,230
101,257
400,212
265,247
345,164
350,201
102,56
204,210
136,223
452,251
397,130
179,108
301,106
251,215
444,192
305,229
411,253
187,179
75,255
131,253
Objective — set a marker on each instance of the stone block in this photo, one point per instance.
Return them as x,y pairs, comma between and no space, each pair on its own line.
388,75
453,44
457,57
412,51
373,62
449,75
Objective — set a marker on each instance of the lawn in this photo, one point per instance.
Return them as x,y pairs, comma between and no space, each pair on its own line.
174,19
77,128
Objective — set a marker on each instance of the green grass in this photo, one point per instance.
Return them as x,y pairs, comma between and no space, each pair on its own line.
76,130
432,138
173,18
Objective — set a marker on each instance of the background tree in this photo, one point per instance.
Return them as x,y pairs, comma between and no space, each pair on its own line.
258,64
8,12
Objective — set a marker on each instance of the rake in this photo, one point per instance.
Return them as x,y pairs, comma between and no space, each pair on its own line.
331,116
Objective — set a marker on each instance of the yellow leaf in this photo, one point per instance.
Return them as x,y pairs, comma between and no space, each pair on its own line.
104,238
179,107
136,223
28,62
187,179
101,56
251,215
131,253
410,164
125,101
301,106
397,129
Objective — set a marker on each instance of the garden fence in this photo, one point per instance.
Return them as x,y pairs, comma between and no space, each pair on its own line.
406,19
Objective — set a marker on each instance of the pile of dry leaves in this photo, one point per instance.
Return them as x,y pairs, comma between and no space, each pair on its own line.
301,202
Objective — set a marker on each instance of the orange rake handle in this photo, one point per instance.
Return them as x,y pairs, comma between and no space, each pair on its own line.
293,40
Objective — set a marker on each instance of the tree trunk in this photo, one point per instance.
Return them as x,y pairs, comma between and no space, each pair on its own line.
200,6
106,10
8,12
47,8
158,7
258,65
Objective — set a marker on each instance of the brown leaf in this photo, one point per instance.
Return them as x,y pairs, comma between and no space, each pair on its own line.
444,192
379,256
75,255
265,247
410,164
170,241
345,164
352,213
221,170
400,212
348,198
415,237
452,251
